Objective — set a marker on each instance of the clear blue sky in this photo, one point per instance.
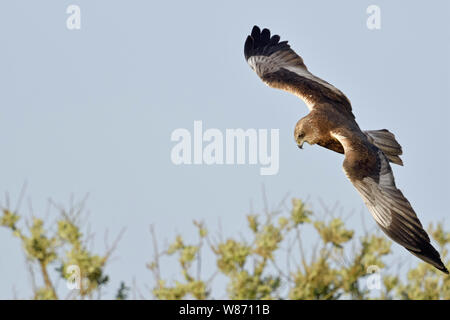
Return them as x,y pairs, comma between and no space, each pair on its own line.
92,110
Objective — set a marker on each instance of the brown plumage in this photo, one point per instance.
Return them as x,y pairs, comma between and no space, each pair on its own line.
332,125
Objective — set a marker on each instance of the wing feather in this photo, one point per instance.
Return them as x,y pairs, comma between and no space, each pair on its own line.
387,204
280,67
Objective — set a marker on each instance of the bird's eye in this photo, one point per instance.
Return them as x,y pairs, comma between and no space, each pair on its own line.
301,135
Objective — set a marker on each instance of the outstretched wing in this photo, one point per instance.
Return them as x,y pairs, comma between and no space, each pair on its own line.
368,169
280,67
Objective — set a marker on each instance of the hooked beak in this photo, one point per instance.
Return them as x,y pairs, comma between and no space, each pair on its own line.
300,146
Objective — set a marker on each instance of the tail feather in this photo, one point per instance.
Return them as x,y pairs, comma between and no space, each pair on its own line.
386,142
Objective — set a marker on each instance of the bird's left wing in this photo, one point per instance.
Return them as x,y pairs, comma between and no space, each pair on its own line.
280,67
368,169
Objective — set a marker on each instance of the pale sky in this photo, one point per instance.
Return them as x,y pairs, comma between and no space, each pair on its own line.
92,111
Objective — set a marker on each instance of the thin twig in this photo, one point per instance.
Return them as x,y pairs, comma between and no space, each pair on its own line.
156,270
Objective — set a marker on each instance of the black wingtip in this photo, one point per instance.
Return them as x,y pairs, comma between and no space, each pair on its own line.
255,32
248,47
444,269
430,255
265,35
261,43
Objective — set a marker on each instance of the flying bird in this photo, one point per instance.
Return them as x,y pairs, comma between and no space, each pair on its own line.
332,125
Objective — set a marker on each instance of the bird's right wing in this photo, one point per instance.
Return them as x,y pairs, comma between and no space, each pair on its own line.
280,67
368,169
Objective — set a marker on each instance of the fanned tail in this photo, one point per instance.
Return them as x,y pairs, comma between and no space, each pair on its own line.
386,142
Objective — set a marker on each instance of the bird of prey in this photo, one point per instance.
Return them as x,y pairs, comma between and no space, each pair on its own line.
332,125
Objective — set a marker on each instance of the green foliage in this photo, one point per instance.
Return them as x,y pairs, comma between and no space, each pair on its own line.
38,246
62,248
231,255
196,289
44,293
122,293
299,213
318,281
336,264
9,219
334,232
187,254
267,241
337,268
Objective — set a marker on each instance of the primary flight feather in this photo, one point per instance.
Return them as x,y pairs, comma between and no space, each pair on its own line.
331,124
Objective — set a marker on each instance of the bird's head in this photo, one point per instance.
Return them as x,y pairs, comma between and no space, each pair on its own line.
305,132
